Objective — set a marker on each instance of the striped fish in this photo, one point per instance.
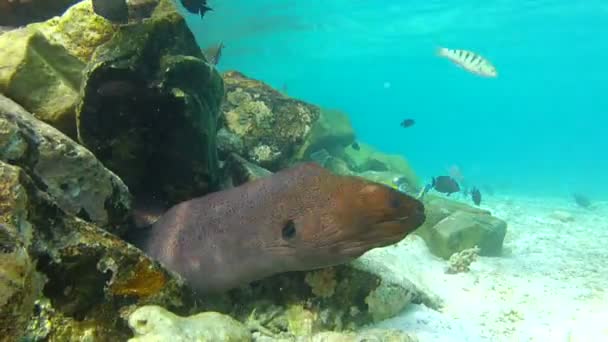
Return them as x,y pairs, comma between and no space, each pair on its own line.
470,61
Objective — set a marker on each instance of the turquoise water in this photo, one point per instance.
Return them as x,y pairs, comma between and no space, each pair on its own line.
539,128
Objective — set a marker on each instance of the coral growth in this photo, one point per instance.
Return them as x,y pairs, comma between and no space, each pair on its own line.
461,261
322,282
271,126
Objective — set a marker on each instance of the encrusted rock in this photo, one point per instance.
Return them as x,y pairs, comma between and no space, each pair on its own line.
20,284
343,297
91,275
68,172
271,126
150,108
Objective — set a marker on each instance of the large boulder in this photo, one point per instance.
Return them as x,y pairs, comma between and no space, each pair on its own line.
84,278
268,126
68,172
451,227
463,230
149,109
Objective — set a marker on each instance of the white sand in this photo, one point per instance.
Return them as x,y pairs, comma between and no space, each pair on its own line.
550,284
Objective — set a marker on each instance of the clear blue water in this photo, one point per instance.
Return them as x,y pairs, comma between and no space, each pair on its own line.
537,129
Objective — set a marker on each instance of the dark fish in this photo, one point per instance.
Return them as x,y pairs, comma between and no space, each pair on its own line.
407,123
582,200
214,53
196,6
476,196
355,146
445,184
115,11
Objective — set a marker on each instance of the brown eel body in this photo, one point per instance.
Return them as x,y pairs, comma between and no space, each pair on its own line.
300,218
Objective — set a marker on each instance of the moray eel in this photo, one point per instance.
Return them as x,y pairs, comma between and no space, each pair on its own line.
300,218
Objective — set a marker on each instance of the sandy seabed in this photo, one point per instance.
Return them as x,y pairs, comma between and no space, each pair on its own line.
549,285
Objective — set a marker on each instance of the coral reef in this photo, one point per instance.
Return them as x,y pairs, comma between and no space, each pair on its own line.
71,174
272,127
460,262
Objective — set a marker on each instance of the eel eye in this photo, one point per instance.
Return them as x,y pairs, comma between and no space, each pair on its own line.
289,230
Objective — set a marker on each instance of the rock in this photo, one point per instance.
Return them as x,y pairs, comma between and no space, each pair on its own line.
20,284
332,132
343,297
462,230
271,126
369,159
91,276
153,323
68,172
42,77
237,170
471,226
19,12
152,117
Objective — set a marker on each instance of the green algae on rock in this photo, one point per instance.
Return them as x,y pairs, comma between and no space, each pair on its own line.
68,172
150,107
91,276
272,127
41,76
154,323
